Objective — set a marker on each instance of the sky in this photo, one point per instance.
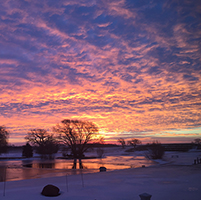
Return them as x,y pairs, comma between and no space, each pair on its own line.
132,67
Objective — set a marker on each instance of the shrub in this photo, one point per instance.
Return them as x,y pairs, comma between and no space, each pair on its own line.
27,150
155,150
3,139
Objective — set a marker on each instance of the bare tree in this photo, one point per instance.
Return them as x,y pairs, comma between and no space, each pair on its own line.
122,142
46,144
197,142
76,134
3,139
134,142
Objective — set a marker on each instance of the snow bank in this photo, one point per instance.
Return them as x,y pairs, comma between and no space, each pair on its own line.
162,182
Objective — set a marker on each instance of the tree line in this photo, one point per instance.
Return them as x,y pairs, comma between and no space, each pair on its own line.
133,142
74,134
154,150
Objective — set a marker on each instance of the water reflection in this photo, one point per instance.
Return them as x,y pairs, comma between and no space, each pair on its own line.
75,164
27,163
70,164
2,173
110,162
46,165
27,169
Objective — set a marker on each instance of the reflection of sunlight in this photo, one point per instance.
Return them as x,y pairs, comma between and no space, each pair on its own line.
26,169
110,162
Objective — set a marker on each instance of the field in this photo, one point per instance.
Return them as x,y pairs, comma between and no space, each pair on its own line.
175,177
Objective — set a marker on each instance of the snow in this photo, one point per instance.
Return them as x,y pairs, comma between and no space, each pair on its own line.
174,178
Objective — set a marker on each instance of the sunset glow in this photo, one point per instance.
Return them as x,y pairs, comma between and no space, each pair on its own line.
132,67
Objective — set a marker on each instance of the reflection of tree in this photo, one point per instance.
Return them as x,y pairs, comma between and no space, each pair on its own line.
27,163
46,165
75,164
2,173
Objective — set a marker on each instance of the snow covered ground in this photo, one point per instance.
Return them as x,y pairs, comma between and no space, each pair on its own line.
174,178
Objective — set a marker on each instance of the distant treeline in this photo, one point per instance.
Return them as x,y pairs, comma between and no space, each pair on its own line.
178,147
183,147
92,145
168,147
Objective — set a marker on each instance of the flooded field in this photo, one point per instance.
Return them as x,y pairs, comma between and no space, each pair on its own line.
11,170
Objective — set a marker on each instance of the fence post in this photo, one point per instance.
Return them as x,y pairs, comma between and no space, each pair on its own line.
4,188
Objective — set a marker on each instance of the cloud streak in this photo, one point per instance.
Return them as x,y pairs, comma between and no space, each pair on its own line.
129,66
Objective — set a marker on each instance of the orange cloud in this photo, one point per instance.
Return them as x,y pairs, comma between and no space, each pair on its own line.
133,73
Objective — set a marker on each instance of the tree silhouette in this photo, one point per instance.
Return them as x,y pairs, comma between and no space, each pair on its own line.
27,150
197,142
155,150
3,139
122,142
134,142
76,134
46,144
